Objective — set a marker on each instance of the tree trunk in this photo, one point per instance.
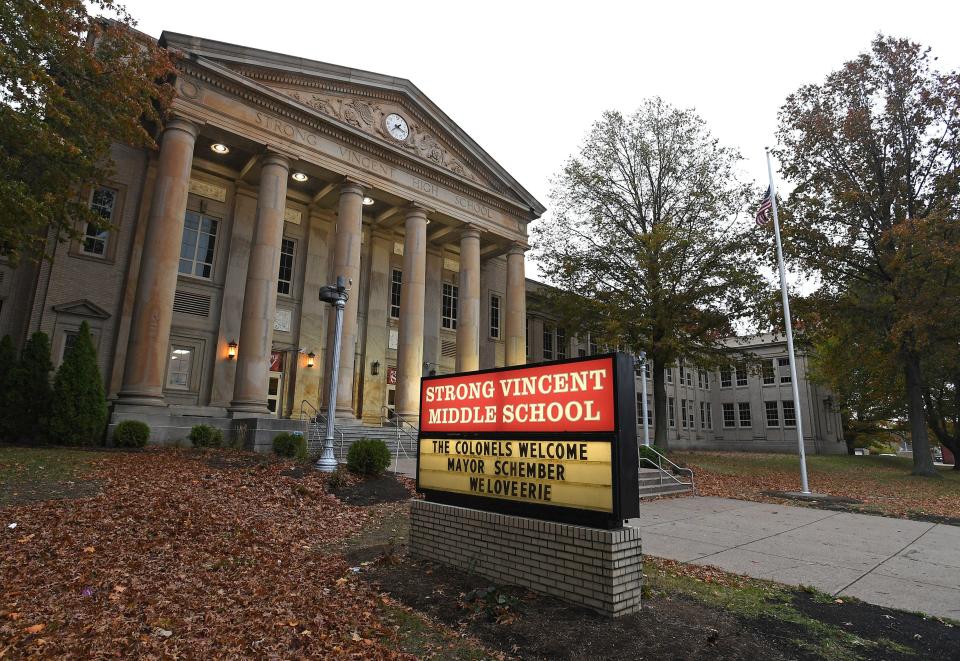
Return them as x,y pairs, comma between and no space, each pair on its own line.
659,407
922,460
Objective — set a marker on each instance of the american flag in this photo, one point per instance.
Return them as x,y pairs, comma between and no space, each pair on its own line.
763,211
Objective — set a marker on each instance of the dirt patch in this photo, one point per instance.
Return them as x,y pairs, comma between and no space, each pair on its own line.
387,488
532,626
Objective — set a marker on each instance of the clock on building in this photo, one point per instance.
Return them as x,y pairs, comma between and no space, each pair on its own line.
397,126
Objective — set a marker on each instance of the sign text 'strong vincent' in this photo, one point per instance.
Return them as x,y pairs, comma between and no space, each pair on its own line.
554,441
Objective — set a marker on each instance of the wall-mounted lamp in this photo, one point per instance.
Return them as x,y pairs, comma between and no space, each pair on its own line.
231,349
375,367
310,358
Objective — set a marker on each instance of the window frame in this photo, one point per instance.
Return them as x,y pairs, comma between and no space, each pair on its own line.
729,407
726,377
741,370
548,339
196,246
793,408
561,343
768,373
187,386
741,407
671,414
105,234
781,363
683,413
775,410
494,316
449,322
292,268
396,291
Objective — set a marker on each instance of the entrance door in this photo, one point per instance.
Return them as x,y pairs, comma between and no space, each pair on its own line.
391,400
275,382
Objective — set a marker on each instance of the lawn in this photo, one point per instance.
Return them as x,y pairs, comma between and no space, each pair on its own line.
883,484
222,554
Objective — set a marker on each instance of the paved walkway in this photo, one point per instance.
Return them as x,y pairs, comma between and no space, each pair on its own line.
903,564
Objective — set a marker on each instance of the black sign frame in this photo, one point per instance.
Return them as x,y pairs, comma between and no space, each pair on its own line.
623,454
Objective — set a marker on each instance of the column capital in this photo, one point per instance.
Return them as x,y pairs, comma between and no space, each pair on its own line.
354,186
517,248
416,209
179,123
275,158
469,231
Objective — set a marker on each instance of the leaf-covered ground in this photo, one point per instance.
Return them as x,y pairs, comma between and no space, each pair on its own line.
185,554
883,484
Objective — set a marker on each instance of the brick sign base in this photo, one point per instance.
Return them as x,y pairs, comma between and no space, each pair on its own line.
599,569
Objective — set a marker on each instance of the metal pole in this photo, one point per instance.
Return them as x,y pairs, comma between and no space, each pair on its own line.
789,327
643,389
327,461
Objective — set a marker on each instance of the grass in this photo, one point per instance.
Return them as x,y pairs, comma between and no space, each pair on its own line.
884,484
764,600
417,635
32,474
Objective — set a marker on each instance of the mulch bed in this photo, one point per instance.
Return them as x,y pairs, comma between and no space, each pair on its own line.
387,488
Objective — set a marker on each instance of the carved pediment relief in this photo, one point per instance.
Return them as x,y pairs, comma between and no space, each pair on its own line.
368,115
82,308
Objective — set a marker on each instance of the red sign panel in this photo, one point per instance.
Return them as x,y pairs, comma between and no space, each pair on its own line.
276,361
392,376
564,397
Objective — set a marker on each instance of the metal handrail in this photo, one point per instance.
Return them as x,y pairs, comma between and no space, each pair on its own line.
389,415
317,418
672,473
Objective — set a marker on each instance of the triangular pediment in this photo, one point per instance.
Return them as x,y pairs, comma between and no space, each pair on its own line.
82,308
362,101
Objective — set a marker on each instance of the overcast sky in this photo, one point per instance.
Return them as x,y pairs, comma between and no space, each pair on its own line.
526,79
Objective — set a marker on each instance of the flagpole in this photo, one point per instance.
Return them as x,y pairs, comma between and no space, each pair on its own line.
789,326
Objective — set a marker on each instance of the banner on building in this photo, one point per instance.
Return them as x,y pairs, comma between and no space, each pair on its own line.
555,440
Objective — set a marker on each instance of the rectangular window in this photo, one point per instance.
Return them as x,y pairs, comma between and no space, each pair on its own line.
396,282
284,279
669,374
703,416
726,379
178,369
102,203
649,412
709,416
639,408
495,317
197,245
789,413
784,364
683,413
744,414
729,419
690,377
741,375
769,377
773,414
547,342
593,348
680,372
561,344
690,414
671,412
448,315
581,352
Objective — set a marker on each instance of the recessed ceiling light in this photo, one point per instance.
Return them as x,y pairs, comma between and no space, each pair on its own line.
299,176
367,201
219,148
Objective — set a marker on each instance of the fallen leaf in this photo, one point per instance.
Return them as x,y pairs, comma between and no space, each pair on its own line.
36,628
27,538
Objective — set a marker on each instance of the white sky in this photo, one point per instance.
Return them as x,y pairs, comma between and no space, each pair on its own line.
526,79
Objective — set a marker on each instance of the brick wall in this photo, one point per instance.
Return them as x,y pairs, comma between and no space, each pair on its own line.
600,569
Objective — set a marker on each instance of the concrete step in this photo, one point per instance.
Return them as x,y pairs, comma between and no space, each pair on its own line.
657,490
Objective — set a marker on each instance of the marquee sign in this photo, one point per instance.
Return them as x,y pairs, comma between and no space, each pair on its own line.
554,440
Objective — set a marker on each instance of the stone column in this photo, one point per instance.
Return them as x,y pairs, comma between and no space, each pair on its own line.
260,293
412,291
516,317
346,262
468,316
148,346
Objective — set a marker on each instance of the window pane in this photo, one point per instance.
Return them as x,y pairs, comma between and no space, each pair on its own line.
396,281
725,378
789,413
741,375
495,317
728,415
178,369
683,413
671,413
744,414
768,374
561,344
449,306
784,364
197,245
547,342
285,276
773,414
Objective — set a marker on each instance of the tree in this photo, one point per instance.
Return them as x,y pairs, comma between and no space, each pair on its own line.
80,415
874,154
647,243
71,84
32,396
8,362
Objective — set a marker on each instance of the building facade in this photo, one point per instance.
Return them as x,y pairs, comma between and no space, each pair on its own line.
275,175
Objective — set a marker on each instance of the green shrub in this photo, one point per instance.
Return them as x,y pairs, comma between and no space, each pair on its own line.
80,414
290,445
131,434
32,395
8,364
205,436
648,453
368,457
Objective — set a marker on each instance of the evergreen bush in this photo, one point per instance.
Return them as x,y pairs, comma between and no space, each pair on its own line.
368,457
80,413
290,445
647,453
8,364
131,434
205,436
32,397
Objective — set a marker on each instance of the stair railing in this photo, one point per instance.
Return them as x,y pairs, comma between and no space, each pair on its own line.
315,427
405,429
673,470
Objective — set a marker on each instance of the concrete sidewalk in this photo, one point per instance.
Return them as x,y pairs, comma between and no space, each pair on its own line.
902,564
